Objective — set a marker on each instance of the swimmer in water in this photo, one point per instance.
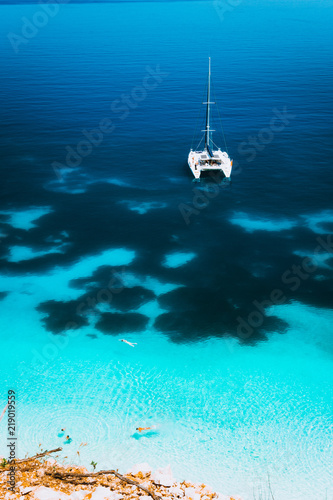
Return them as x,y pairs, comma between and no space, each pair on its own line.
62,432
140,429
129,343
68,440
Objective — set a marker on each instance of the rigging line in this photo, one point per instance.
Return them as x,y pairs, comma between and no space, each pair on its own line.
215,144
200,142
218,111
200,114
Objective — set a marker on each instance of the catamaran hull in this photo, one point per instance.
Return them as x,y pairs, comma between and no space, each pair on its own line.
202,164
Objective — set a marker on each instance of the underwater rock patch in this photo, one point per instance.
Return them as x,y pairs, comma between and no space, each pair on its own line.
199,313
3,295
102,277
123,299
191,327
131,298
61,315
115,323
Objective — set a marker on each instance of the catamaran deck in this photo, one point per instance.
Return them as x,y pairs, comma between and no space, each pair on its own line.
202,161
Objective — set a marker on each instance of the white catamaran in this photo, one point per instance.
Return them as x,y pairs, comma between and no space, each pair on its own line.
209,160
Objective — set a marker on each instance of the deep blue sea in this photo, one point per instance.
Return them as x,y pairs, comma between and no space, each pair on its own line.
225,287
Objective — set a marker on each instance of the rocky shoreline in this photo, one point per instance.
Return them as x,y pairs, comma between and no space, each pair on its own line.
46,479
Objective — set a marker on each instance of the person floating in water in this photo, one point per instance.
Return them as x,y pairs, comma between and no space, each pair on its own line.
129,343
140,429
68,440
62,432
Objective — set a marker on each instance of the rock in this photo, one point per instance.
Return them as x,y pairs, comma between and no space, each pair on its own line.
24,490
43,493
144,468
206,490
163,476
177,491
116,496
102,493
191,494
9,496
79,495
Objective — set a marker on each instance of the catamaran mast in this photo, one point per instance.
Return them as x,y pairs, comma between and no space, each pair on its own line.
209,160
207,134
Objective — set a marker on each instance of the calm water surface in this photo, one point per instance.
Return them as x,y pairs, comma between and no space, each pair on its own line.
226,288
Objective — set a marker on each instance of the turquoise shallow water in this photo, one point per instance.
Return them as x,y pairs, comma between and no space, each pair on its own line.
99,251
226,414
